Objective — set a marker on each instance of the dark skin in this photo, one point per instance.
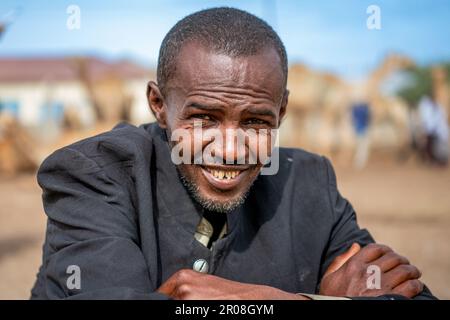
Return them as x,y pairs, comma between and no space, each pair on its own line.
347,275
224,93
249,93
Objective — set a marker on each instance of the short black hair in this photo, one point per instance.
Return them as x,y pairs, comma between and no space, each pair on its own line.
225,30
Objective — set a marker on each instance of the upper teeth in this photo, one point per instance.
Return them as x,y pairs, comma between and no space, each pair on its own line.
221,174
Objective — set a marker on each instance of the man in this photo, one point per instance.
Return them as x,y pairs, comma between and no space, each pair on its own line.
126,222
433,122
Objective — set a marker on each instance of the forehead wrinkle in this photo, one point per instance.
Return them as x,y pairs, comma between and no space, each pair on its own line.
232,92
234,100
252,105
218,101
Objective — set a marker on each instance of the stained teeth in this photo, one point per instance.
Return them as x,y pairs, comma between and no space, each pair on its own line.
220,174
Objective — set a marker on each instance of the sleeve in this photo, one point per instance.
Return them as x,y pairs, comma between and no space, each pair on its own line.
92,241
346,231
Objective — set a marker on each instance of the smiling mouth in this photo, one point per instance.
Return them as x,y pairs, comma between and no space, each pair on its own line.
222,174
224,178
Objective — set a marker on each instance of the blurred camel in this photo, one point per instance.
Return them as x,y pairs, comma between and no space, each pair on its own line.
319,119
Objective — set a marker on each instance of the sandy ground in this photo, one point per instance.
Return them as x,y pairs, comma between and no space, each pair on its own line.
404,206
407,208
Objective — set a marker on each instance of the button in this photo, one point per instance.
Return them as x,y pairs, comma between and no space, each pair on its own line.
200,265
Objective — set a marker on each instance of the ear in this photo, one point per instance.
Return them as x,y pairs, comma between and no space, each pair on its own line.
283,106
156,104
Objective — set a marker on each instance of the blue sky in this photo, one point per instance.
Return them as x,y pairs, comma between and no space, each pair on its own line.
328,35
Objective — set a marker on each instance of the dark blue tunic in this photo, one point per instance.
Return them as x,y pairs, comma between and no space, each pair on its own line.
116,209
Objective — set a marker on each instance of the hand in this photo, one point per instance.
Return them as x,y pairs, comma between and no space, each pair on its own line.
191,285
347,274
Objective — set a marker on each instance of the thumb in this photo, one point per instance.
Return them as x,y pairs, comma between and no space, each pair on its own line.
340,260
167,287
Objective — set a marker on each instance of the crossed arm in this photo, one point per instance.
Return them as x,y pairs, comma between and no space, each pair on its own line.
88,225
345,277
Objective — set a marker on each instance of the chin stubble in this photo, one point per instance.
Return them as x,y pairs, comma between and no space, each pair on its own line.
209,204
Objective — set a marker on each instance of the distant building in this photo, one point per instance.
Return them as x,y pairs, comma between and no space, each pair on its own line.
41,90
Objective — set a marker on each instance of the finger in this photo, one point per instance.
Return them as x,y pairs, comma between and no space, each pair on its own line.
340,260
167,287
170,286
409,289
400,274
389,261
372,252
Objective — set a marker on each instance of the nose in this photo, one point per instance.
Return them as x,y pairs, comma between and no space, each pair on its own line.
233,148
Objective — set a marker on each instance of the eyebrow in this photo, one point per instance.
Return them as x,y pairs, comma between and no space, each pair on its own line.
261,111
196,105
252,109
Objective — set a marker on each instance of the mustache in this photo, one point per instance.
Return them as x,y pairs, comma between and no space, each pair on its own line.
200,158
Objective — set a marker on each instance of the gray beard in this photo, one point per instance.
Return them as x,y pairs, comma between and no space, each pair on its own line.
209,204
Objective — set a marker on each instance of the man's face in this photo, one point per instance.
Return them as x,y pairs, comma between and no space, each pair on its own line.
227,94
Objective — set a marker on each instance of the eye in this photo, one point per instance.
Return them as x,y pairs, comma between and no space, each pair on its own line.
256,121
201,117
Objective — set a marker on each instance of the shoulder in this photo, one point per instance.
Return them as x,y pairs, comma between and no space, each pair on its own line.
300,156
311,167
124,143
305,180
300,194
300,175
117,157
